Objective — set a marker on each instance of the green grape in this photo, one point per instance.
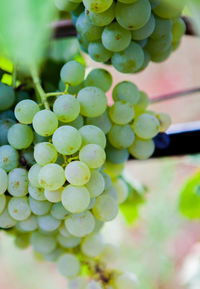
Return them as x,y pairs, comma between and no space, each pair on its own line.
103,18
100,78
33,175
158,46
75,89
94,285
58,211
66,108
111,192
91,204
2,203
84,46
45,153
22,95
87,30
68,242
18,182
6,221
113,170
126,91
7,96
54,255
38,138
48,223
77,173
145,31
102,121
27,157
146,126
66,5
122,190
67,140
143,42
5,124
92,135
142,103
96,184
19,208
53,196
164,120
77,123
7,114
64,232
128,1
121,112
77,283
75,199
147,59
125,280
133,16
115,38
169,8
155,3
105,208
93,101
92,245
162,55
80,225
42,243
129,60
20,136
162,28
51,177
22,241
36,193
116,156
72,73
93,155
98,52
28,225
107,179
178,29
45,122
97,6
25,111
3,181
68,265
142,149
39,208
121,137
109,254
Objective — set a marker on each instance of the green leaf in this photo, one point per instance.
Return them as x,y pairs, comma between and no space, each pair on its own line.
63,50
194,6
189,202
25,30
131,207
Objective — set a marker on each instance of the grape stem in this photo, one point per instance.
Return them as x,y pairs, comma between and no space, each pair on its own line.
38,87
49,94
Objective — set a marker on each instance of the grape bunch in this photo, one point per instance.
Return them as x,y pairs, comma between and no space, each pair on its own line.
61,161
127,33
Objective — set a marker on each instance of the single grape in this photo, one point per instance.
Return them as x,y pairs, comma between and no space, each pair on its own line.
145,31
121,112
66,5
7,96
72,73
164,120
19,208
92,135
103,18
48,223
122,190
111,192
27,157
126,280
54,255
42,243
162,28
25,111
142,149
33,175
142,103
121,137
53,196
98,52
68,265
22,241
5,124
113,170
105,208
28,225
102,121
91,204
147,59
169,9
67,140
3,181
77,283
80,225
92,245
51,177
146,126
116,156
68,242
45,122
58,211
77,123
45,153
93,101
6,221
178,29
97,6
100,78
64,232
159,46
96,184
66,108
77,173
18,182
93,155
75,199
126,91
115,38
2,203
74,89
20,136
39,208
7,114
36,193
22,95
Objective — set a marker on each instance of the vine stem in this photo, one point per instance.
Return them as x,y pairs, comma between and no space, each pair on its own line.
49,94
38,87
14,76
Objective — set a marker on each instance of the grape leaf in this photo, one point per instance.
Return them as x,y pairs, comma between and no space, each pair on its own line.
189,201
24,29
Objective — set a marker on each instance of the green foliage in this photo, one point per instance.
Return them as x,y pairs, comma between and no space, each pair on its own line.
189,202
24,29
194,6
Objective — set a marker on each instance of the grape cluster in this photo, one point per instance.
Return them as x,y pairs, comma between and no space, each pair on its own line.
60,169
127,33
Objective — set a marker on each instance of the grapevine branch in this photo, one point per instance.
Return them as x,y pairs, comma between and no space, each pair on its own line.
65,28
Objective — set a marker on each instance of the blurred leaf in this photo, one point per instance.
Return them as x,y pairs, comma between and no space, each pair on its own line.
194,6
24,29
189,202
130,208
63,50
